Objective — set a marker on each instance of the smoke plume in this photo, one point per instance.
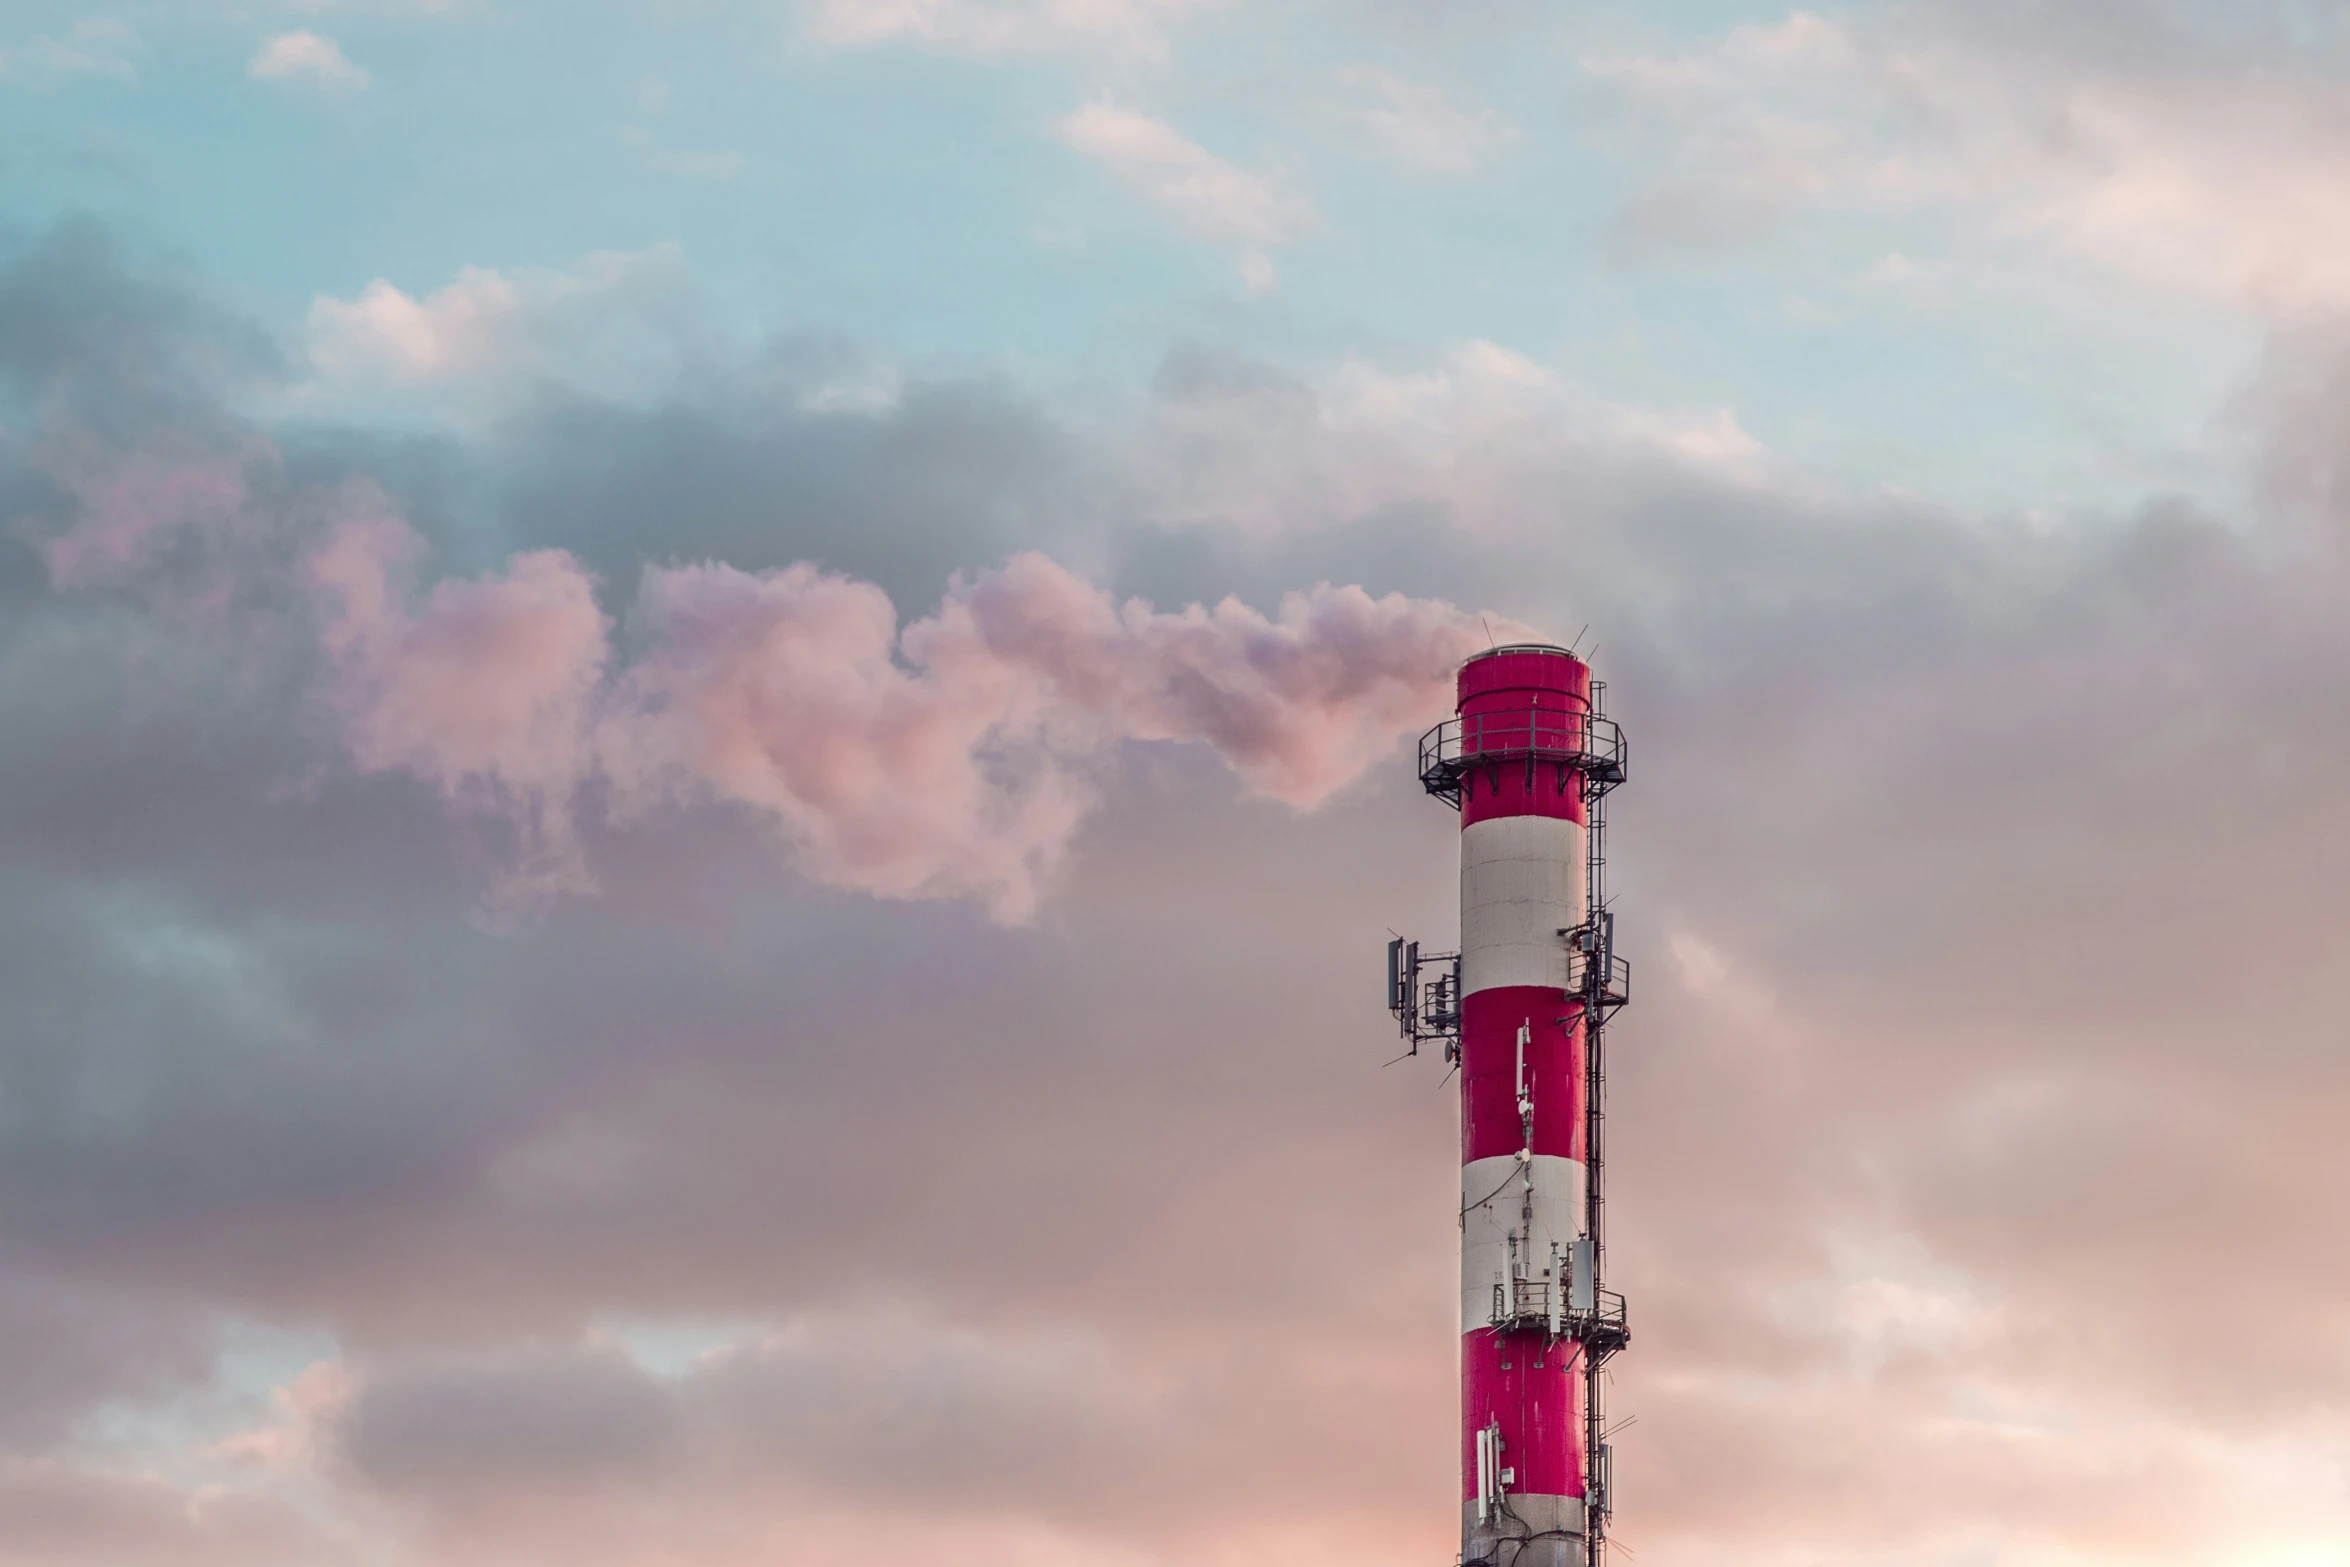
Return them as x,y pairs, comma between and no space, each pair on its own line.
952,756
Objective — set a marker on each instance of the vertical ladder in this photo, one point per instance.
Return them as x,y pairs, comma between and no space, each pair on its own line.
1597,977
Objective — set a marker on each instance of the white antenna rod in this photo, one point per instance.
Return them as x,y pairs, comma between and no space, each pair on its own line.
1485,1474
1525,1100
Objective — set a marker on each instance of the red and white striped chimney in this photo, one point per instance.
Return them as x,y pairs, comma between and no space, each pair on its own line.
1524,1467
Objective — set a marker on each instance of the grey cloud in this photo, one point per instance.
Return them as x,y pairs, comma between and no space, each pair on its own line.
570,1420
951,476
906,1420
56,1515
1980,878
122,340
68,1347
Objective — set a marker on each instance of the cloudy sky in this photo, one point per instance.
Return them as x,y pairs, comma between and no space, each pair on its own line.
704,721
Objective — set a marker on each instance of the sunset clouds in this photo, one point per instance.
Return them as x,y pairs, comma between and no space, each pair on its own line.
955,756
696,872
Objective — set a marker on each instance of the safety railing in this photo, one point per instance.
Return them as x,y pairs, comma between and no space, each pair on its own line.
1602,978
1524,1305
1565,738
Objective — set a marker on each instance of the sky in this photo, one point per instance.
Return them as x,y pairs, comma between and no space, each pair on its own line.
705,749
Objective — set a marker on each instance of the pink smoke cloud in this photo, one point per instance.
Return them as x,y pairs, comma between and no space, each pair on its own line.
486,690
1297,704
954,758
951,759
783,691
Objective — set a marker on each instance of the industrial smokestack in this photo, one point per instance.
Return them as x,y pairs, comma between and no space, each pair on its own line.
1528,762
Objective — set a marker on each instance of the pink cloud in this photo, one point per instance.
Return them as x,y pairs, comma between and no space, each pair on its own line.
782,691
956,758
485,689
959,769
1297,704
953,756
